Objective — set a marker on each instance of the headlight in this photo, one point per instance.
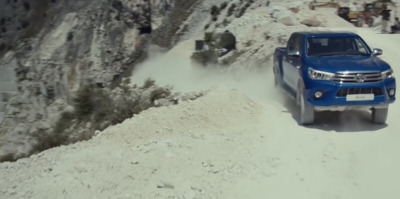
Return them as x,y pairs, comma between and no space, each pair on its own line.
320,75
387,74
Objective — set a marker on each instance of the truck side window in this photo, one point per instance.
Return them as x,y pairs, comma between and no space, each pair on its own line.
294,43
291,43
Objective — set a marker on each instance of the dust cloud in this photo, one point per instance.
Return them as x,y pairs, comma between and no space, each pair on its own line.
175,69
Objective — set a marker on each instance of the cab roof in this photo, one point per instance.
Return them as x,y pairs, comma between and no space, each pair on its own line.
326,34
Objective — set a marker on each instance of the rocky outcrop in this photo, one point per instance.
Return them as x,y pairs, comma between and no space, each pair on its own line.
50,49
172,28
284,16
311,22
20,19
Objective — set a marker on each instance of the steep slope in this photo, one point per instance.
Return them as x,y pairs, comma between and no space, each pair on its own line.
63,47
133,159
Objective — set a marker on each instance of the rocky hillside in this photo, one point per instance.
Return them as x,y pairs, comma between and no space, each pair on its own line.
66,66
51,51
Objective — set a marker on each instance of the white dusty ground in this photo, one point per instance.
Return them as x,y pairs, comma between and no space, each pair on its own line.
241,140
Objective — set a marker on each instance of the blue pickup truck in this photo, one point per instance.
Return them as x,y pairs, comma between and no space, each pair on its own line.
334,71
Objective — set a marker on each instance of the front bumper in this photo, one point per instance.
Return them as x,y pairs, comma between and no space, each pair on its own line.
350,107
334,94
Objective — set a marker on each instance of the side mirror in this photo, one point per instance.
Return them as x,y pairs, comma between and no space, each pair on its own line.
377,51
294,53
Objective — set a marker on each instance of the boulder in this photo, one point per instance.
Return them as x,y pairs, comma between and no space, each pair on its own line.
311,22
284,16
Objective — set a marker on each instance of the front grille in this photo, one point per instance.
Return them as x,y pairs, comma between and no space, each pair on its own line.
357,77
344,91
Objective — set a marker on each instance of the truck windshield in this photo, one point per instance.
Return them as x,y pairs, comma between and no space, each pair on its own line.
336,46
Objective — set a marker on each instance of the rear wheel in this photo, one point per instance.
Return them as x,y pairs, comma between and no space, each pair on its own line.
379,115
359,22
306,110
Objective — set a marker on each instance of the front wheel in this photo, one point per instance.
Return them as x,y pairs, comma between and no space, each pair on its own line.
379,115
306,111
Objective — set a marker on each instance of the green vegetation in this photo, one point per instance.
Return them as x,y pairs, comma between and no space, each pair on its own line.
231,9
208,37
243,10
97,108
248,43
63,124
215,12
225,22
148,83
223,5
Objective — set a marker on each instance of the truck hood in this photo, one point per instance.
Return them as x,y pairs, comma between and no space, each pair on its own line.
350,63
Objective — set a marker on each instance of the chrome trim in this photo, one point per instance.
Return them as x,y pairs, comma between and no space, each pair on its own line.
377,51
352,107
294,53
358,77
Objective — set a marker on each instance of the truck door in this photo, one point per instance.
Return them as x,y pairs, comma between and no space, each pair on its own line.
291,62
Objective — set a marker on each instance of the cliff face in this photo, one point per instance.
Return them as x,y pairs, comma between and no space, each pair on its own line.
50,48
21,19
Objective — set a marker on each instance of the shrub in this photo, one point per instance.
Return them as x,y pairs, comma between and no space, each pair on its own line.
159,93
70,36
267,36
215,18
95,109
83,101
27,6
125,111
215,10
64,122
223,5
248,43
24,24
91,100
148,83
208,37
225,22
243,10
231,9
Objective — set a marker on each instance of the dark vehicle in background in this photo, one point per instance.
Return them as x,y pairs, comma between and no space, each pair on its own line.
369,14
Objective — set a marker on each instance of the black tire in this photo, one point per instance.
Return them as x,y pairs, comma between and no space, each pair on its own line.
379,116
306,111
359,22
